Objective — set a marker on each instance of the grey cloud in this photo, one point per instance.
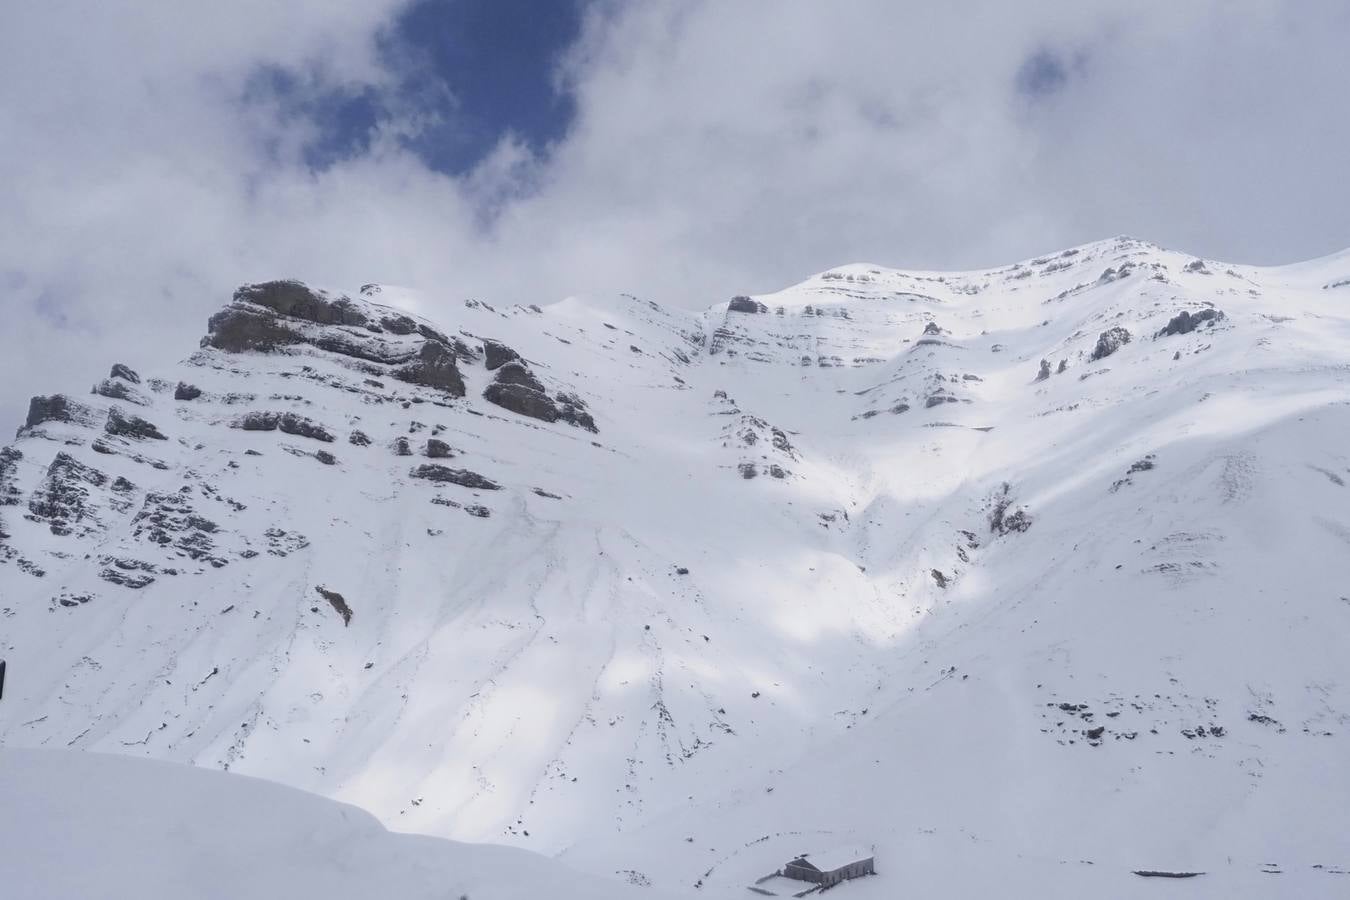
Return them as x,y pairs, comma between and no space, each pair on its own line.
719,148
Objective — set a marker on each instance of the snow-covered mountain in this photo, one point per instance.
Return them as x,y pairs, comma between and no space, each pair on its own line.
1028,577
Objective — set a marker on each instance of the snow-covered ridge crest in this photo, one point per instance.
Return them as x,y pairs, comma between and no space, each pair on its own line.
597,577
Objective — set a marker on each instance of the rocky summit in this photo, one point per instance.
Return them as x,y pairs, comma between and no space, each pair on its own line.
1013,559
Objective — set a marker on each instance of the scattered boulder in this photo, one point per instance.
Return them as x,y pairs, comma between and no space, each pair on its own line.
743,304
1044,373
1185,322
1142,465
325,457
1063,365
461,477
1197,266
402,447
496,354
338,602
289,423
300,426
438,449
747,470
1109,341
121,424
932,328
358,439
938,399
185,391
256,421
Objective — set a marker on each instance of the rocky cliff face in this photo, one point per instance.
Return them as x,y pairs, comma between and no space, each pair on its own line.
603,575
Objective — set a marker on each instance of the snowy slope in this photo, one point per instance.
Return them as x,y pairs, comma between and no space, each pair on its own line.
834,566
89,825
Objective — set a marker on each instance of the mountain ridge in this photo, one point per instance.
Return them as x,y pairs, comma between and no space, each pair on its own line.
611,575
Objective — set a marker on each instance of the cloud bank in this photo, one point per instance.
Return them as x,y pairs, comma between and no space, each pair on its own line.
715,148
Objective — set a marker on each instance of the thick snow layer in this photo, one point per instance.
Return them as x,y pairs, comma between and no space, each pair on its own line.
89,825
838,565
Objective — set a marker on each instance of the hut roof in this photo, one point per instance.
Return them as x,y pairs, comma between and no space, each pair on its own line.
835,857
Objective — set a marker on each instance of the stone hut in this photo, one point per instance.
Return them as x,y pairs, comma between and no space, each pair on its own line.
831,867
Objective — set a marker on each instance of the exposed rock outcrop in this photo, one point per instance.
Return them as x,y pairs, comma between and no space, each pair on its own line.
121,424
461,477
1109,341
517,373
241,329
435,367
496,354
399,324
299,301
1185,322
10,494
125,373
171,520
1003,518
117,389
63,500
744,304
277,315
289,423
572,410
185,391
523,400
57,408
338,602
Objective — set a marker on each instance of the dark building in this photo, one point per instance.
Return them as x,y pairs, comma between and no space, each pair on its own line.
833,866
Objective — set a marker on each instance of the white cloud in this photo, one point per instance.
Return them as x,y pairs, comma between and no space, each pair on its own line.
719,148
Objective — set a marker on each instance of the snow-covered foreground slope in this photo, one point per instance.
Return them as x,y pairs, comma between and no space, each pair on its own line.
90,825
702,591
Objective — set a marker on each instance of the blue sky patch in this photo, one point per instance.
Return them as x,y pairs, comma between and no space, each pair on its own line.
1042,74
466,73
